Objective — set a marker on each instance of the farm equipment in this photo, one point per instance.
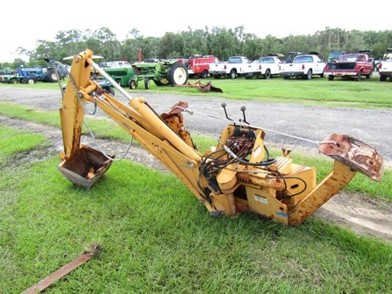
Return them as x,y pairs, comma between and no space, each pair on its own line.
202,87
124,76
52,73
236,175
8,76
162,73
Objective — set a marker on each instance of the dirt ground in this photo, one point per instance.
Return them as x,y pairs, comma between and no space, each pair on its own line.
360,213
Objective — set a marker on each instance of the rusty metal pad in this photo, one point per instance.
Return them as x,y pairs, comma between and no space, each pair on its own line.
356,154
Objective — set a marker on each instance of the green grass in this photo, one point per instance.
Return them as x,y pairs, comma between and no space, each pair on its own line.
319,91
13,142
157,238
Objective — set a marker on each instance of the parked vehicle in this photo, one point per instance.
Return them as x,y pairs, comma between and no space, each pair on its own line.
303,66
124,76
200,65
32,75
290,56
385,66
350,65
265,67
8,76
334,55
116,64
235,66
162,73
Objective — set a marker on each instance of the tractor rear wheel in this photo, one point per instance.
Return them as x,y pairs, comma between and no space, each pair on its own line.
178,74
52,76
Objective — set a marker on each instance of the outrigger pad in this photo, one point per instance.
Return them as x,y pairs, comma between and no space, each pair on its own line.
356,154
86,167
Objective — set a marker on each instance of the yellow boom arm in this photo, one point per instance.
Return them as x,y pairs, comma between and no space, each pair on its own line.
238,176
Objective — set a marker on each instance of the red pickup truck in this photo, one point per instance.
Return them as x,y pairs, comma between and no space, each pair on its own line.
350,65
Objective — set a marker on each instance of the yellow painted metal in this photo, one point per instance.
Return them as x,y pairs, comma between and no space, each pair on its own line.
71,112
237,177
333,183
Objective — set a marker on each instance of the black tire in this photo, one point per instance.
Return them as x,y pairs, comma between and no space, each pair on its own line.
111,91
383,78
132,84
52,76
309,74
177,75
331,78
267,74
161,82
204,74
146,83
233,74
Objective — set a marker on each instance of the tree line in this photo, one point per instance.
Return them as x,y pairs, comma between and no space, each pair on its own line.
221,42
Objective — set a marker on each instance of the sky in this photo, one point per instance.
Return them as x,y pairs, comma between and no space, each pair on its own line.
24,22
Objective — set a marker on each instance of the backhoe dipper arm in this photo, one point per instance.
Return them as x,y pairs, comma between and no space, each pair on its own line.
239,175
84,165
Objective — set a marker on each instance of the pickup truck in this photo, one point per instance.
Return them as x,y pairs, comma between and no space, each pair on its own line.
385,66
235,66
304,66
354,65
264,67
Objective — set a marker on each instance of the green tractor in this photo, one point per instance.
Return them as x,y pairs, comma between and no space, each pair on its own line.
124,76
163,73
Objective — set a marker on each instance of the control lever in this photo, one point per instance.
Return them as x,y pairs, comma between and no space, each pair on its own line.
243,108
224,109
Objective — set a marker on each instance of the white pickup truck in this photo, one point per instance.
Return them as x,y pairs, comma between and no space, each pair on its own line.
234,67
264,67
304,66
385,66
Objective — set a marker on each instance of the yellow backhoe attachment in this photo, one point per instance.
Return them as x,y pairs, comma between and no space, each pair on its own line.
239,175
